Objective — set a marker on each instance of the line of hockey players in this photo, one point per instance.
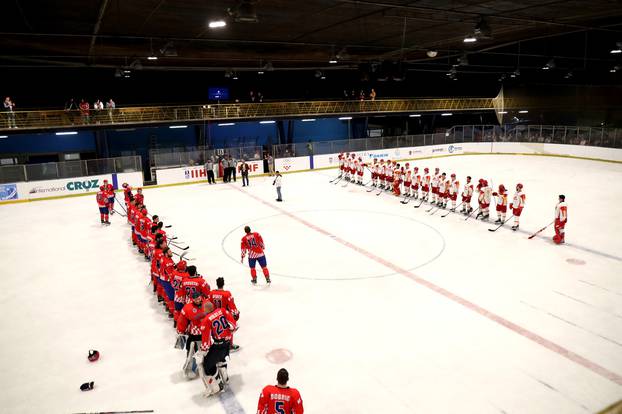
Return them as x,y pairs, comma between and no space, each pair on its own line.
204,318
435,188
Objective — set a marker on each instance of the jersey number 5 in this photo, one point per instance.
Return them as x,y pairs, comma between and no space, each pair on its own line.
278,407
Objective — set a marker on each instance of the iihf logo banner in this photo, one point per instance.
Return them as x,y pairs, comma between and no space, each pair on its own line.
8,192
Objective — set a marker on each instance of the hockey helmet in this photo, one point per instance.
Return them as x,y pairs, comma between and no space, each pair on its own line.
502,188
519,186
453,176
93,355
181,265
124,185
144,211
381,160
407,165
426,169
360,159
416,168
436,169
101,187
485,183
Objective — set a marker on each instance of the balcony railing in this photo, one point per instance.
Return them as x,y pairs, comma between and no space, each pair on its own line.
57,119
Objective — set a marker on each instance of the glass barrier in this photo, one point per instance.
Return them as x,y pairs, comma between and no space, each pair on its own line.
68,169
183,156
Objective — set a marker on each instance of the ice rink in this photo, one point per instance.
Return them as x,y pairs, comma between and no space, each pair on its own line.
374,307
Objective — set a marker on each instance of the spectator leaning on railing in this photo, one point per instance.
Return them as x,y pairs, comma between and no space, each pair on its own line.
7,107
85,112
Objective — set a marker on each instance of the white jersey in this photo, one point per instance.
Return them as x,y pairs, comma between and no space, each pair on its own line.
435,180
454,187
441,185
519,200
467,191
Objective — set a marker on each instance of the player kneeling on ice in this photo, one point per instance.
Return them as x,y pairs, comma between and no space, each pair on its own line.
518,202
502,204
253,244
189,332
217,328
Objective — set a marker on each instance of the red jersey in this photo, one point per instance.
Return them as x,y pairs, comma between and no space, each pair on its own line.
217,326
190,284
167,267
127,194
155,262
140,198
109,190
180,294
190,314
279,400
253,244
102,199
223,299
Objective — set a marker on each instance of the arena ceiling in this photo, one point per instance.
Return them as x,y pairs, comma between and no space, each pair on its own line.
382,37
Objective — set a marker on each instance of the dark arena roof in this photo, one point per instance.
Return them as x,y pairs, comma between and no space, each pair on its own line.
413,48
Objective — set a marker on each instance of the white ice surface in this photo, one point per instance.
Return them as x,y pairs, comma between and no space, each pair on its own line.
363,338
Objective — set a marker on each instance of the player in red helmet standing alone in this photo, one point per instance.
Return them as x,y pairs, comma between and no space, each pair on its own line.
102,203
253,244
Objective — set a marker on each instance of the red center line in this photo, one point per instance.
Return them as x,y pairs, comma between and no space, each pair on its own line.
552,346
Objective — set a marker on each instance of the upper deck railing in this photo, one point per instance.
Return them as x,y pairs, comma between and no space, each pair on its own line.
62,119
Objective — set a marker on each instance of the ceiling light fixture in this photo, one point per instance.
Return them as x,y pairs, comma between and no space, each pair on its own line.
446,114
345,118
502,112
618,49
523,111
227,124
178,126
67,133
308,120
431,53
415,115
470,39
267,122
216,24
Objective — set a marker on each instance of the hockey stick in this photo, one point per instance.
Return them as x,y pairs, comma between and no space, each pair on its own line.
118,412
420,203
471,213
499,226
453,210
183,255
346,184
179,247
436,211
338,179
430,209
371,189
541,230
404,201
120,203
121,214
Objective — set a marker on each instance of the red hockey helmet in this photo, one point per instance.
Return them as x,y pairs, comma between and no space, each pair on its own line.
144,211
181,265
381,160
453,176
416,168
519,186
436,169
101,187
485,182
426,169
375,160
93,355
407,165
502,188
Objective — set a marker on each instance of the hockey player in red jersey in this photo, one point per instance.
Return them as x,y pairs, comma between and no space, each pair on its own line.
167,272
341,161
140,198
127,193
102,203
416,182
189,331
397,180
217,328
252,243
483,199
222,298
467,193
454,187
109,190
194,283
407,174
561,218
360,171
279,398
517,205
179,299
502,204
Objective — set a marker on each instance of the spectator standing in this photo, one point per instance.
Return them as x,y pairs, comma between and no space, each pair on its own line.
244,169
277,182
372,94
270,165
110,106
280,398
70,105
362,95
98,106
209,168
7,107
85,111
233,164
